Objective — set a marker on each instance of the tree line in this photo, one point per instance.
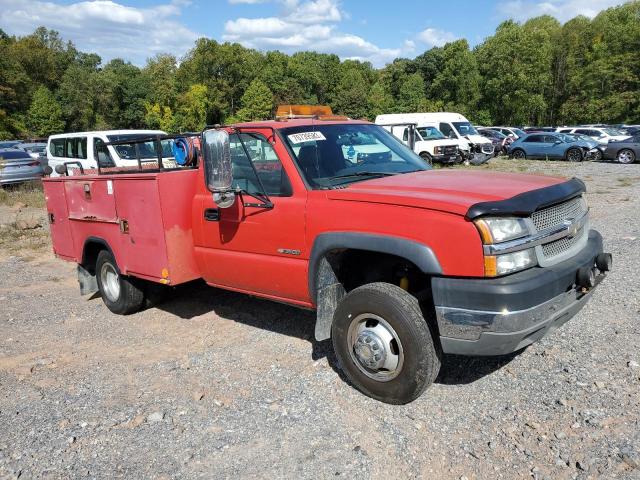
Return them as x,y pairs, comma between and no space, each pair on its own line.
533,73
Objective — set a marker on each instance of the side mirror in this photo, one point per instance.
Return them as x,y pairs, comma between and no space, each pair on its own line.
61,169
48,170
217,167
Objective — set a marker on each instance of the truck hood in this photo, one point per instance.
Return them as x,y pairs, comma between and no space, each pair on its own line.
444,190
477,139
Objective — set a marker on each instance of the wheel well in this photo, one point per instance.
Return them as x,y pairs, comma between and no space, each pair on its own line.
92,248
355,267
350,268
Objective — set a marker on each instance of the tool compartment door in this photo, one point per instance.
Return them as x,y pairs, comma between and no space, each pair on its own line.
142,239
91,200
59,227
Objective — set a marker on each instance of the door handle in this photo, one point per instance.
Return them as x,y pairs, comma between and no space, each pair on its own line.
212,215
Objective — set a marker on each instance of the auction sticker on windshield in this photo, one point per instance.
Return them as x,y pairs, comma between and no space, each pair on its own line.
306,137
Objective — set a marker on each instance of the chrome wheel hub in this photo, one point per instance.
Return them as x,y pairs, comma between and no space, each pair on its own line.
110,282
375,347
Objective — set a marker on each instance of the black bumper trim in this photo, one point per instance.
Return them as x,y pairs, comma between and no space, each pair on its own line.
518,291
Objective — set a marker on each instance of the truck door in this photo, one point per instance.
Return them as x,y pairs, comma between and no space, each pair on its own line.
249,248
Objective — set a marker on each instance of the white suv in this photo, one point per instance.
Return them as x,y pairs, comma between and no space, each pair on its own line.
602,135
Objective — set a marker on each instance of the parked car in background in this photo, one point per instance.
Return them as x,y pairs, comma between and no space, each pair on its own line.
473,147
10,143
512,132
36,150
500,140
602,134
538,129
429,143
552,146
90,149
623,151
17,166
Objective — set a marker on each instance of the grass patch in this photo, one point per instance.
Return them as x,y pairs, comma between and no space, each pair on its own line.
14,240
29,194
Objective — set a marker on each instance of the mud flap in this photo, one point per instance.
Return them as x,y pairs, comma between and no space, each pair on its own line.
330,292
88,283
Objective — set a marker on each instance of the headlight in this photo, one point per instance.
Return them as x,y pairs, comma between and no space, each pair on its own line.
496,230
437,150
497,265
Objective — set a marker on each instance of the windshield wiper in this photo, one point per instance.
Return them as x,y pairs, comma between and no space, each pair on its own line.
365,174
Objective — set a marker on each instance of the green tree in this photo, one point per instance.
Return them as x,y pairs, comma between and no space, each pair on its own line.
380,100
351,97
257,102
411,97
45,114
192,109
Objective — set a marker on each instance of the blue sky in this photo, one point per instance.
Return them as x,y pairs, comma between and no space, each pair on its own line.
371,30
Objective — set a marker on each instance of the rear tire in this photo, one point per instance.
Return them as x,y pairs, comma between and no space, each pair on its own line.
383,343
120,294
574,155
427,158
626,156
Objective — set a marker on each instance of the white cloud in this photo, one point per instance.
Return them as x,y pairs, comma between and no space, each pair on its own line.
434,37
104,26
563,10
309,25
250,2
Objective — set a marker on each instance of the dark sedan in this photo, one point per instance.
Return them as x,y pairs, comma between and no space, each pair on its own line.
499,140
17,166
623,151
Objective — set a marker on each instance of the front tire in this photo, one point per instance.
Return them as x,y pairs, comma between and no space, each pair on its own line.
519,154
626,156
574,155
383,343
427,158
119,293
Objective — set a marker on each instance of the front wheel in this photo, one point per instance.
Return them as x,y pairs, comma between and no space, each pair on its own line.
383,343
119,293
427,158
626,156
519,154
574,155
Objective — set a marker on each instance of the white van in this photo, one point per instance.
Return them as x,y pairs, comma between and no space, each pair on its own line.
88,149
473,146
429,142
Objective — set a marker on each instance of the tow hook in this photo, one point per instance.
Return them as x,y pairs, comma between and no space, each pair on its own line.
586,276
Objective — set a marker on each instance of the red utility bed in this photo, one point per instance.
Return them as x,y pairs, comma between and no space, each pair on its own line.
145,218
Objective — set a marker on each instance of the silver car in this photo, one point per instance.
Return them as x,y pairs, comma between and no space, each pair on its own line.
17,166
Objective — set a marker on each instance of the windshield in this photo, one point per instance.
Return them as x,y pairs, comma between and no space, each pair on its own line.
332,155
518,132
147,149
465,128
613,131
565,137
430,133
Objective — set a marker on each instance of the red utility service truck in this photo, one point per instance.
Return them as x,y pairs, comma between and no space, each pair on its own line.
401,263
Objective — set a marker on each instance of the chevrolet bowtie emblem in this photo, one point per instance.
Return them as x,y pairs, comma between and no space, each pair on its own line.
572,228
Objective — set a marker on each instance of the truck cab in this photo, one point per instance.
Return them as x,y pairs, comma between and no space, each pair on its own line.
401,263
428,142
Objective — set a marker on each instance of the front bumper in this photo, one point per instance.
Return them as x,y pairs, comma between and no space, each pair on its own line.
502,315
447,159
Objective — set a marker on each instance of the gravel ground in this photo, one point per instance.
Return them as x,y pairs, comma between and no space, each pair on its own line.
216,384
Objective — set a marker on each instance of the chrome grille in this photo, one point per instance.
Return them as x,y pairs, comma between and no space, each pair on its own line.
450,150
487,148
558,247
557,214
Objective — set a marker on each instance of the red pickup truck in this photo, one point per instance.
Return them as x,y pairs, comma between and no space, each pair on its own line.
401,262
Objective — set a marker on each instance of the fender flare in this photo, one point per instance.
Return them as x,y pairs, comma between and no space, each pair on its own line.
94,240
324,288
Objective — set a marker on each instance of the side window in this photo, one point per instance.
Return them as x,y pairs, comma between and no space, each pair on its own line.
405,135
102,154
533,139
565,130
81,148
265,161
69,147
550,139
56,148
447,131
